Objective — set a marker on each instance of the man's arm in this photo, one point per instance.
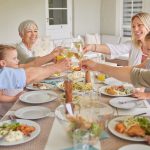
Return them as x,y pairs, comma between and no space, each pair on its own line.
121,73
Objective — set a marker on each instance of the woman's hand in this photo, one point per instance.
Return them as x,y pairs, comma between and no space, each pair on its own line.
89,47
140,94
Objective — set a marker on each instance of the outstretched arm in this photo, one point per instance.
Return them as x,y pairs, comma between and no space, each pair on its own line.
36,74
99,48
38,61
121,73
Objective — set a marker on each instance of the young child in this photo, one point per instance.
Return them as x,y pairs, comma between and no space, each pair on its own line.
8,58
144,93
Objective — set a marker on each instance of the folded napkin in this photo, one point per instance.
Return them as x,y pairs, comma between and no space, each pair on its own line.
53,82
104,135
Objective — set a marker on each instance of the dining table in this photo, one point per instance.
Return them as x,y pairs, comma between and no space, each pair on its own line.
52,135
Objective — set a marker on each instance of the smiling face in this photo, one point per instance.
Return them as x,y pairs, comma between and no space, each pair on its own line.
139,30
10,58
30,35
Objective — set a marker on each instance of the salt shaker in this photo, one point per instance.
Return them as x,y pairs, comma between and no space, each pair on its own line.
68,90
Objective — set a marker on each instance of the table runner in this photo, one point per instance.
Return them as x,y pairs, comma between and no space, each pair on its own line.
58,138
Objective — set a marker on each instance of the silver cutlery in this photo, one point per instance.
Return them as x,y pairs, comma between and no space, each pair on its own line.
140,114
131,101
136,115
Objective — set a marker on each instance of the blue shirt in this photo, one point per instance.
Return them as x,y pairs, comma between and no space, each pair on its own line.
11,78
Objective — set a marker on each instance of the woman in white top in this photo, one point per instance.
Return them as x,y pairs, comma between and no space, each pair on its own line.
136,49
28,31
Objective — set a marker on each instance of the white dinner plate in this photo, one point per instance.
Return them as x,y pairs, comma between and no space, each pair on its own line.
123,102
32,112
26,138
103,88
38,97
44,86
112,81
135,147
111,127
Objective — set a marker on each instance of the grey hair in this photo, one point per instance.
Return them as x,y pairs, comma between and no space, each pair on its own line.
26,25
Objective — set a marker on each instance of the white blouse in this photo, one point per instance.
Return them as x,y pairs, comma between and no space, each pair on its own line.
135,55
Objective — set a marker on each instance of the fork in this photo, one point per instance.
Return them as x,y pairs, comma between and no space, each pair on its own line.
131,101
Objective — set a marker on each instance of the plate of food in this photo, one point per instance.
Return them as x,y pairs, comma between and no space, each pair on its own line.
77,86
130,128
57,75
121,90
123,102
39,86
18,131
38,97
135,146
37,112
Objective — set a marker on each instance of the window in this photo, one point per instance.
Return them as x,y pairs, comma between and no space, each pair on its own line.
57,12
130,8
59,18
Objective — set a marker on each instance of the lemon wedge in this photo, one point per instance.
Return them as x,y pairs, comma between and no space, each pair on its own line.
101,77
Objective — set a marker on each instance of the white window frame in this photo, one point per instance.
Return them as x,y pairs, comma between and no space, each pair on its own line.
61,31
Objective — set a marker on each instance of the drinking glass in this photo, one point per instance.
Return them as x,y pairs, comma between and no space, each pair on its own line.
84,140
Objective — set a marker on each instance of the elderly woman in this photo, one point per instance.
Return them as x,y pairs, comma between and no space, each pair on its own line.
140,26
28,31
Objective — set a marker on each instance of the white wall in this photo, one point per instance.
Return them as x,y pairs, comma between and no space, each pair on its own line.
146,6
12,12
108,17
86,16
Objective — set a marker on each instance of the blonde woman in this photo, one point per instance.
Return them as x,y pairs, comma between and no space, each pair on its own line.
140,26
